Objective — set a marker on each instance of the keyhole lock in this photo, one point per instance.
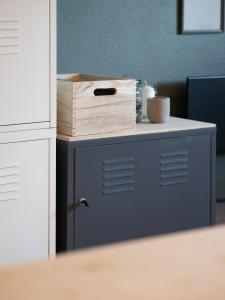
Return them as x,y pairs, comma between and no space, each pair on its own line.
82,202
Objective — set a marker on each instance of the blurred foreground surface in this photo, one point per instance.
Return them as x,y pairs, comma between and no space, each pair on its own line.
184,266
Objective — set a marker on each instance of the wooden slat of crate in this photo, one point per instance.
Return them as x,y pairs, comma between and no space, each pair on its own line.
97,119
65,112
84,97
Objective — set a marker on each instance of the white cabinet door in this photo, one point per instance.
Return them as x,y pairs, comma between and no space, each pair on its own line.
24,61
24,205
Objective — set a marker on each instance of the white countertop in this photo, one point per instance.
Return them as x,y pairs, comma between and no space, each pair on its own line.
174,124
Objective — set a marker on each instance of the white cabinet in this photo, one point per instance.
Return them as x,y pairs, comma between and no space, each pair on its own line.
27,130
25,60
27,196
24,188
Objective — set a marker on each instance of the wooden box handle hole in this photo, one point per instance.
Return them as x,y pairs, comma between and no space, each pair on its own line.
105,92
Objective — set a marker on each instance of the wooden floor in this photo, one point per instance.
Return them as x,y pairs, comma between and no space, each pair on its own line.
220,213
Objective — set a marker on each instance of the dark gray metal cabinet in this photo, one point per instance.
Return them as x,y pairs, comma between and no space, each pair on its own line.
135,186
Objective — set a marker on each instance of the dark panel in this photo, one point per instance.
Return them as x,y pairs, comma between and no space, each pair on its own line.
213,179
64,196
61,195
156,187
206,102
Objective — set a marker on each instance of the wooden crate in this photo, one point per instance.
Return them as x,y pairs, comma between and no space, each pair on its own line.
89,104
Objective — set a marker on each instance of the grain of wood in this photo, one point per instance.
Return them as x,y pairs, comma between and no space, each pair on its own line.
184,266
80,112
65,111
174,125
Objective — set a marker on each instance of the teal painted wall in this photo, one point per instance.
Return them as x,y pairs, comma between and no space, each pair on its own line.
137,39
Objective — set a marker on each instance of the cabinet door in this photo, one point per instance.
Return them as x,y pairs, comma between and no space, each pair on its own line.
24,61
23,201
141,189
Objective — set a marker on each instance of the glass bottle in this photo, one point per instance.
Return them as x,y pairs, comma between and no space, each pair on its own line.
139,85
